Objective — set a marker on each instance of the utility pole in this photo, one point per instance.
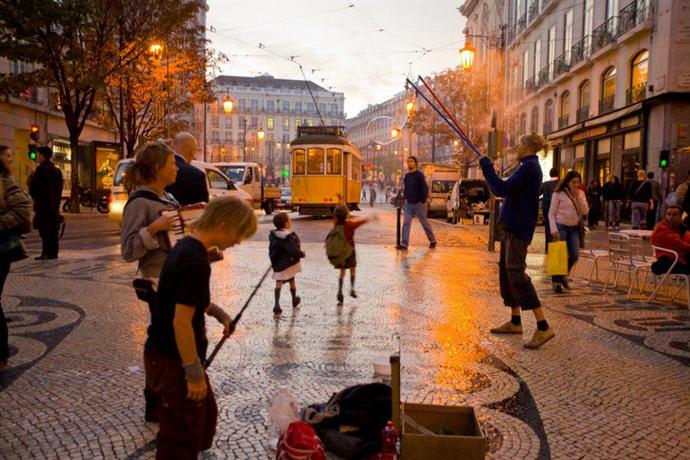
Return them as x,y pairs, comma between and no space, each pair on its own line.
205,134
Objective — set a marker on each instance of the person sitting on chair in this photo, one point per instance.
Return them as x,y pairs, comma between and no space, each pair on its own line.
670,234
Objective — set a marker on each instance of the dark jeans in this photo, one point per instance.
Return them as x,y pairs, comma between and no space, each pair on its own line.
186,427
50,234
4,334
571,236
516,286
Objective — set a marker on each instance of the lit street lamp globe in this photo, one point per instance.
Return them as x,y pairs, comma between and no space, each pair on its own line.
260,134
156,50
227,104
467,56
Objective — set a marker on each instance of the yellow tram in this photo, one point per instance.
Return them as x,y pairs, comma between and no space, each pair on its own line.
325,167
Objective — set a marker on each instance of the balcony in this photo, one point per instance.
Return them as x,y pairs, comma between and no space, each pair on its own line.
544,75
545,3
580,52
606,104
530,85
533,11
636,93
561,64
521,24
632,15
603,35
563,121
582,113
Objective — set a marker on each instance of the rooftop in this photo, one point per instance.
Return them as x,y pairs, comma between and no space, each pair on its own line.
267,81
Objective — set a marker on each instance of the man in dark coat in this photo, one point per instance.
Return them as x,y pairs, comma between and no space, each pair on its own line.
46,190
190,184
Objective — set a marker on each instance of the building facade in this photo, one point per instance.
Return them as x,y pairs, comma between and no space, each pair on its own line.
275,106
385,156
607,82
99,147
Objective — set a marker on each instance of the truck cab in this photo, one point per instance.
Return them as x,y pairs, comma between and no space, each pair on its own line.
248,177
440,179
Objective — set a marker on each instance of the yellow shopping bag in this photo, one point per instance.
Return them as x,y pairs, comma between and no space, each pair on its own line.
557,259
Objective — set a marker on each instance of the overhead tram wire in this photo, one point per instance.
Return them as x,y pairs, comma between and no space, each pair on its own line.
280,21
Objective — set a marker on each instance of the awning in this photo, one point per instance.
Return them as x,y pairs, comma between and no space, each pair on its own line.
592,122
612,116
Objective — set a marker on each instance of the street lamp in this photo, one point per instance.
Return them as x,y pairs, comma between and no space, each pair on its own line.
260,134
395,132
467,56
156,50
410,107
227,104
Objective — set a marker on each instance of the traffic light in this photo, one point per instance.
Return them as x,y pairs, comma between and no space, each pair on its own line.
34,133
663,158
33,152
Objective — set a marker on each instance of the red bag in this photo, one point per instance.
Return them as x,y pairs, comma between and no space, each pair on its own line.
300,442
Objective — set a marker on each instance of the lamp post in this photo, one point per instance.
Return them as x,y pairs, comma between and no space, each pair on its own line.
260,134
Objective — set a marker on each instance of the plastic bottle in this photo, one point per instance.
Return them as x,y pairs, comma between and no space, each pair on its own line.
389,441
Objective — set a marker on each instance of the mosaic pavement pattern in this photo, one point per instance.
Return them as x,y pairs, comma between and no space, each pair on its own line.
613,384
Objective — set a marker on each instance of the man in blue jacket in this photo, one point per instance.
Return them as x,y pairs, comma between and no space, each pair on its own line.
416,193
517,220
190,183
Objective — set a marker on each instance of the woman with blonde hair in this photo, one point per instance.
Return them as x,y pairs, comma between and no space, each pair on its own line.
143,236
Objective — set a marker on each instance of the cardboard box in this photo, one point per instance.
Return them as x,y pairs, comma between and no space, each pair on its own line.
452,432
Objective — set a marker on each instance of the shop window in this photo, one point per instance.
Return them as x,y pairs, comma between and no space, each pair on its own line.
334,162
299,165
631,140
315,161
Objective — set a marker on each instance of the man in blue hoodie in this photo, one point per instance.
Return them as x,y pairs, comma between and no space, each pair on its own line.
416,194
517,220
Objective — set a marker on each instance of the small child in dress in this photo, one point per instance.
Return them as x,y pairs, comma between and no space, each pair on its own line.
285,252
341,216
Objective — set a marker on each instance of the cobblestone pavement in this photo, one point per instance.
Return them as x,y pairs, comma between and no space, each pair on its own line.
613,384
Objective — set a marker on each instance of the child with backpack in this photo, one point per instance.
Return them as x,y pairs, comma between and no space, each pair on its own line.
285,252
340,247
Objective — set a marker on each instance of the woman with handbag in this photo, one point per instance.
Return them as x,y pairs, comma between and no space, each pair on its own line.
143,237
568,206
15,218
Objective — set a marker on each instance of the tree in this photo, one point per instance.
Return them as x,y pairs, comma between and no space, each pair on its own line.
469,97
77,45
145,100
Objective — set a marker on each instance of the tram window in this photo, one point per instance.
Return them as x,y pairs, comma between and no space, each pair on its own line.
315,161
334,162
299,167
356,168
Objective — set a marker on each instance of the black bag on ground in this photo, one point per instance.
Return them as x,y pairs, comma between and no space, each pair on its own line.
365,407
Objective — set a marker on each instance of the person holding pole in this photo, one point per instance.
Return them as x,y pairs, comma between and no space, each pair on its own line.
518,220
176,344
416,194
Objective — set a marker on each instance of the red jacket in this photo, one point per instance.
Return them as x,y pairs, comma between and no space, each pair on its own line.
665,236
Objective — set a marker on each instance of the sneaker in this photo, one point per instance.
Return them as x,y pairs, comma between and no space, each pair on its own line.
540,338
507,328
401,248
296,301
558,288
340,298
432,245
353,294
277,310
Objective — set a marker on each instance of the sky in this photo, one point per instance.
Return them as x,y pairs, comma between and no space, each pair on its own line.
363,48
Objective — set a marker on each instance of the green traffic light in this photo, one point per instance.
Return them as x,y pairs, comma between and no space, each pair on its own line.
32,156
663,163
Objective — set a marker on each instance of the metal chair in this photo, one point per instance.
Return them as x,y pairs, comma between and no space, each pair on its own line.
679,278
623,259
593,255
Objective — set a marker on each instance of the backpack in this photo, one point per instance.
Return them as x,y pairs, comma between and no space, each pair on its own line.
300,442
338,249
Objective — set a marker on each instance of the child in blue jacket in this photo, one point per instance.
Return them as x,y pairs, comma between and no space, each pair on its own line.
285,252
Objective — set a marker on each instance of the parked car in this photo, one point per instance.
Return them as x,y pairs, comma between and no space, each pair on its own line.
217,183
465,193
285,202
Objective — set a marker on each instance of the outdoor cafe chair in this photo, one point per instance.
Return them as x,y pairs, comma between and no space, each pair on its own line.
594,255
623,259
676,278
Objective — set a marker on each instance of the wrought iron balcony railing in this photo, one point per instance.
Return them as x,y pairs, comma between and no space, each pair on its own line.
582,113
533,11
521,23
606,104
561,64
603,35
636,93
580,51
530,85
632,15
563,121
545,75
548,126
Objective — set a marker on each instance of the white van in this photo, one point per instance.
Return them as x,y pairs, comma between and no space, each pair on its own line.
217,183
